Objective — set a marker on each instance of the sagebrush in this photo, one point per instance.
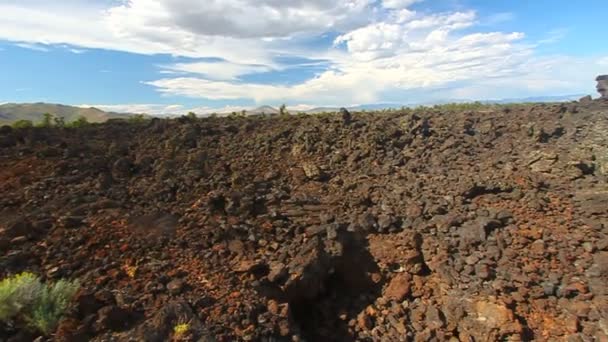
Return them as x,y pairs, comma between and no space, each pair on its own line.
25,299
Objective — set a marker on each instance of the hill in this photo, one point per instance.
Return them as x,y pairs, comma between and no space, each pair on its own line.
11,112
382,106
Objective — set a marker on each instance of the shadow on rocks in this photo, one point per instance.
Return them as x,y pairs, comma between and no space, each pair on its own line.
329,283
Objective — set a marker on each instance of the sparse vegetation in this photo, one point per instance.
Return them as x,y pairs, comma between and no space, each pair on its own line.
181,328
59,121
16,293
47,120
137,118
23,124
283,110
130,270
80,122
25,299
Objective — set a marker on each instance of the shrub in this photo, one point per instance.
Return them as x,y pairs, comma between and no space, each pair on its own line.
81,121
47,120
50,305
137,118
23,124
283,110
59,121
25,298
16,293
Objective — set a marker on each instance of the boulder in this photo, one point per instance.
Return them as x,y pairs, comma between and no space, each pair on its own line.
602,86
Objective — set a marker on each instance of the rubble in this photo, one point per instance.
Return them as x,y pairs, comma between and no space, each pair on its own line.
410,225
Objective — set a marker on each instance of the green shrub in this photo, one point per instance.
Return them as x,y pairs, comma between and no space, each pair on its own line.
59,121
23,124
50,305
81,121
47,120
26,299
16,293
137,118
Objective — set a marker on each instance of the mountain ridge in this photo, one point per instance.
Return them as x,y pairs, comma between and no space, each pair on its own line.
11,112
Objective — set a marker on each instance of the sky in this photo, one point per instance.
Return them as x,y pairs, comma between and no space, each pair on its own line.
174,56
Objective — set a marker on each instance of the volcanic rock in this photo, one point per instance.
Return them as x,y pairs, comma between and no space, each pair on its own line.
602,85
411,224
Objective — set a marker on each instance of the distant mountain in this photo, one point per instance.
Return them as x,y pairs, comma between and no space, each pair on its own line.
263,110
563,98
11,112
380,106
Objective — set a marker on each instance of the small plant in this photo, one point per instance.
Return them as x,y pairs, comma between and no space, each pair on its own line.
24,298
23,124
181,329
130,270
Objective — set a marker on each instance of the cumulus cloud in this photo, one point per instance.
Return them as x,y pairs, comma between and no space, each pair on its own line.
396,36
388,56
238,18
81,26
381,47
217,70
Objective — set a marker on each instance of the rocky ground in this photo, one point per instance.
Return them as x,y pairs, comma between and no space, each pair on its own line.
425,225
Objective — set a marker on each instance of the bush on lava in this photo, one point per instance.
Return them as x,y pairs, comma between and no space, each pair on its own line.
20,124
25,299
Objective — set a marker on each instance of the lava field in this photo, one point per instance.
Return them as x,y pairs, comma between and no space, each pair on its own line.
410,225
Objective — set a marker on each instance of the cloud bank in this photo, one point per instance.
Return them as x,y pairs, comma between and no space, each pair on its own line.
369,50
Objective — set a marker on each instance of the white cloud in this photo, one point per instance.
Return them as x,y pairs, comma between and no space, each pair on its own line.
382,47
152,109
236,18
398,4
176,109
35,47
382,57
94,28
216,70
329,87
396,36
77,51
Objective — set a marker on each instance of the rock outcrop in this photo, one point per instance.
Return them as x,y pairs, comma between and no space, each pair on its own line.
602,85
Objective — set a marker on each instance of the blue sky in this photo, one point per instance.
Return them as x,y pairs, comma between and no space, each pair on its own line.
162,56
